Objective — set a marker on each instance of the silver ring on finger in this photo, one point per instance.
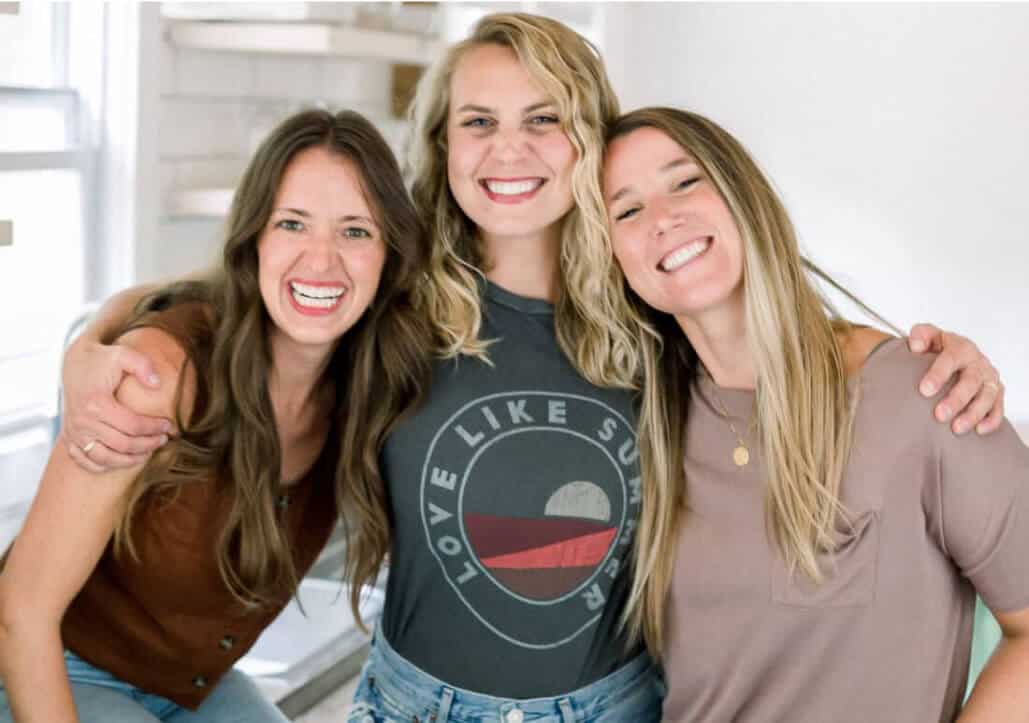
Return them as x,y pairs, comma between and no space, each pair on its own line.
88,446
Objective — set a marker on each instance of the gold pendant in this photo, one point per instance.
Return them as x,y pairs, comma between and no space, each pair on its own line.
741,456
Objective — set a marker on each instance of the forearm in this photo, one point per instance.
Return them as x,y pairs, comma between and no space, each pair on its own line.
1001,693
34,675
110,317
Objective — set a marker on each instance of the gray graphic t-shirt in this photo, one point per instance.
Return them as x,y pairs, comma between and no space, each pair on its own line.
515,492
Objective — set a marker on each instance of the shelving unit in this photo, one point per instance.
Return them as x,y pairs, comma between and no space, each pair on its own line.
313,30
329,30
318,39
342,12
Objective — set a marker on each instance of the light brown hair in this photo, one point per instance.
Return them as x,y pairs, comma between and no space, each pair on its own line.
379,370
804,409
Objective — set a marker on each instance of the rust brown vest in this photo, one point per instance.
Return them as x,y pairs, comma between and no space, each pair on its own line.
167,623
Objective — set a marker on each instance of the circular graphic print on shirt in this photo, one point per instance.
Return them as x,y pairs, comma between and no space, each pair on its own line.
529,500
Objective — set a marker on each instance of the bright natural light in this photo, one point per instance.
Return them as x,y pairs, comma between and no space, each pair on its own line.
41,284
27,43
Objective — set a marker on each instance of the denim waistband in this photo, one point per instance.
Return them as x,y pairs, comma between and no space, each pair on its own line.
637,683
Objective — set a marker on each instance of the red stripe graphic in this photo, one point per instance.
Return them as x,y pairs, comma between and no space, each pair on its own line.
587,550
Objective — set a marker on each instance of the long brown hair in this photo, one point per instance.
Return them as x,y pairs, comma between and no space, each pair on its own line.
379,370
804,409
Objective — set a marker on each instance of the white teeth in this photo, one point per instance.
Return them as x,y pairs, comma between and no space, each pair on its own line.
513,188
685,254
316,297
315,303
316,292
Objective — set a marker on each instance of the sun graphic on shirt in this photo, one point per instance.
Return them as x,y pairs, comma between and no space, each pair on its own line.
579,499
548,556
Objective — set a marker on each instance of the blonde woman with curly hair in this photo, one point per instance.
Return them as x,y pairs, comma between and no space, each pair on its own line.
817,556
514,491
515,487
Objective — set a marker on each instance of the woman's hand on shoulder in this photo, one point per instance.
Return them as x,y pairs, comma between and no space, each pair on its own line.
168,360
977,399
101,432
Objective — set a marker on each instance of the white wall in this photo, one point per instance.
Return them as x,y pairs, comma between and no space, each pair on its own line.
898,135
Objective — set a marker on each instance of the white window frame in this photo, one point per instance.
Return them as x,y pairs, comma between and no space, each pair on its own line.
105,88
78,155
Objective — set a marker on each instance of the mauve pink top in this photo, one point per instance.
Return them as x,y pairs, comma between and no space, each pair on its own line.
936,518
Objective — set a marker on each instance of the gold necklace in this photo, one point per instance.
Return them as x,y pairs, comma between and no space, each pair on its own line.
740,454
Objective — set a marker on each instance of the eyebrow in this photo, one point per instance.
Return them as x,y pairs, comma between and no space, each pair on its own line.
683,161
345,219
670,166
472,108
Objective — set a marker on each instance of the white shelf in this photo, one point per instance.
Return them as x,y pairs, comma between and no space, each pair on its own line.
271,11
204,202
305,39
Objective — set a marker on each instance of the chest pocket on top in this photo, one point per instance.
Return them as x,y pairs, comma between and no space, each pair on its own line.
849,573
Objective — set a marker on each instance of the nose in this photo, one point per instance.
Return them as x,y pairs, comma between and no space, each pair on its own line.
509,144
664,217
321,254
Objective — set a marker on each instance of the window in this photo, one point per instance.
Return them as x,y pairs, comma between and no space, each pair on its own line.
29,33
43,167
46,162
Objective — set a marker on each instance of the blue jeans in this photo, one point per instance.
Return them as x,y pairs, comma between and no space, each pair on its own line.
102,698
392,690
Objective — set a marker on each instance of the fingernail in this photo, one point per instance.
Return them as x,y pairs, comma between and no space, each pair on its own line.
943,412
980,429
154,380
166,426
917,345
928,388
960,428
164,439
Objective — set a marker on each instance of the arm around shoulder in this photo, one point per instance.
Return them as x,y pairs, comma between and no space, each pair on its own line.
92,370
169,360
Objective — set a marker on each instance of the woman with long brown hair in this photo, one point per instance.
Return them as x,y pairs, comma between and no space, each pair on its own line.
129,594
811,543
514,490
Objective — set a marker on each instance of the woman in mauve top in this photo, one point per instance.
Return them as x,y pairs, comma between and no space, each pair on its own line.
817,556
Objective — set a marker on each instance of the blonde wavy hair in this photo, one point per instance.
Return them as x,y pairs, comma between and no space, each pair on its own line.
569,69
804,409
